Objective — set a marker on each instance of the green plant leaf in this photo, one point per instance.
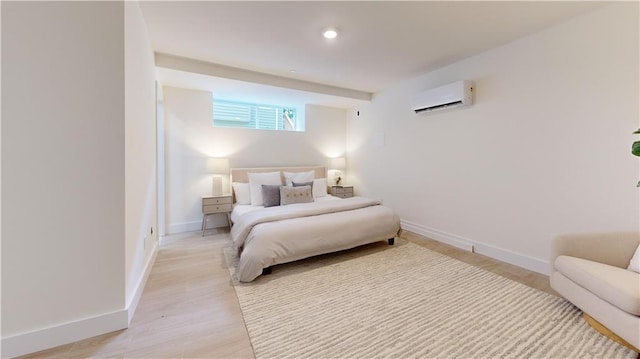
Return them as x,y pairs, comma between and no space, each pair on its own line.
635,148
636,131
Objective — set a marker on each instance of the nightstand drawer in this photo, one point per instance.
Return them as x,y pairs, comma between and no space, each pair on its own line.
216,208
216,200
342,190
344,195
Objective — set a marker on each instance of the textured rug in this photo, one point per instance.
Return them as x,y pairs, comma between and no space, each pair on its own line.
406,301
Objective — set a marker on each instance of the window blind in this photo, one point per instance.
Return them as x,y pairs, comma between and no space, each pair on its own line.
248,115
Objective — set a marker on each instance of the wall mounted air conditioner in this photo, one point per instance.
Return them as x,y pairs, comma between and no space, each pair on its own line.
449,96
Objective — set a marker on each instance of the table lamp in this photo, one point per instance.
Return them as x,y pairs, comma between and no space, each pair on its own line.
219,167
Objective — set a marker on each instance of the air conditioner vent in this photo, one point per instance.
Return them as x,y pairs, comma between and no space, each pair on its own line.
449,96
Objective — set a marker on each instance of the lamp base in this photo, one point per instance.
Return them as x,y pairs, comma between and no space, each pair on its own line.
337,177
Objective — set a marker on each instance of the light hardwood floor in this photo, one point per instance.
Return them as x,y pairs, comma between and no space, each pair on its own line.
189,308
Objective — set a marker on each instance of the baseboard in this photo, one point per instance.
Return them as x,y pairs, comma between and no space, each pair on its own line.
213,221
518,259
37,340
135,299
173,228
501,254
440,236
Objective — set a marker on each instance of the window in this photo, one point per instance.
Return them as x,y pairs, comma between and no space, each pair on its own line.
252,115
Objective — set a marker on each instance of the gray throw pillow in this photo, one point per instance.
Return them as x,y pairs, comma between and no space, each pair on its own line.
291,195
303,184
271,195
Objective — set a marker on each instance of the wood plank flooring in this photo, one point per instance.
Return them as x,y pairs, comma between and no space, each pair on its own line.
189,309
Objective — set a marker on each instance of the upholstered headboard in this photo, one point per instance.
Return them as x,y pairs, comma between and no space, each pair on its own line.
241,174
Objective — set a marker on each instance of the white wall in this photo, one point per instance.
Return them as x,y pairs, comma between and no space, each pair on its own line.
140,155
544,150
190,139
79,141
160,160
62,172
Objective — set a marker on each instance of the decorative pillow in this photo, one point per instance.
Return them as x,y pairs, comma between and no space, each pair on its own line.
319,188
634,263
298,184
256,180
241,190
298,177
291,195
271,195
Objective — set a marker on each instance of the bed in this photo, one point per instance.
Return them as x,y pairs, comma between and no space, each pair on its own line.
265,234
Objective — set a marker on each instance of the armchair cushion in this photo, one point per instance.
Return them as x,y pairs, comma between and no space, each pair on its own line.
618,286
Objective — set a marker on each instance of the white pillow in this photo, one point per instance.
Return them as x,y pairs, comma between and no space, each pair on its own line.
298,177
256,180
241,190
634,263
319,187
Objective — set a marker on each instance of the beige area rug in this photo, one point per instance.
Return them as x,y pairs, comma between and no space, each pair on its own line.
406,301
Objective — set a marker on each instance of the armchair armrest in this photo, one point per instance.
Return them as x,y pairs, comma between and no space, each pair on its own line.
615,249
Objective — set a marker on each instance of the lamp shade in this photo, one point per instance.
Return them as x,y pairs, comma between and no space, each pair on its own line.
218,165
337,163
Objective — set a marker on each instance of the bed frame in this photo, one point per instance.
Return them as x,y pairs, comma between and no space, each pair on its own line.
241,175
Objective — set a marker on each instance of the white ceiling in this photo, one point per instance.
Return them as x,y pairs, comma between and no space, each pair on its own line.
379,42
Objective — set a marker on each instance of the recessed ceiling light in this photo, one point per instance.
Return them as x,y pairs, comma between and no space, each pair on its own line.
330,33
292,71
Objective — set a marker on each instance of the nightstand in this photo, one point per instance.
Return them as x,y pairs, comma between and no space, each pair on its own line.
342,191
213,205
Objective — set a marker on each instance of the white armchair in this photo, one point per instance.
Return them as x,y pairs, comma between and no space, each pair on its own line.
590,271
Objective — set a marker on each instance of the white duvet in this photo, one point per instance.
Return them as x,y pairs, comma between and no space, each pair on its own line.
283,234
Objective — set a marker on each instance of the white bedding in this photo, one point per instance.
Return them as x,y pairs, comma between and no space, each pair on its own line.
240,209
283,234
